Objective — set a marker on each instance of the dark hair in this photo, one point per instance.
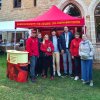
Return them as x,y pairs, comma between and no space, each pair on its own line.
77,33
54,29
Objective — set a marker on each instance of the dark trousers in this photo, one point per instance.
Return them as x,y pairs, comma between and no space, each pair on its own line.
39,65
77,62
48,62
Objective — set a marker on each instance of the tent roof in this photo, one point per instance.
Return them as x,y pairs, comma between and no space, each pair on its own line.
10,26
54,17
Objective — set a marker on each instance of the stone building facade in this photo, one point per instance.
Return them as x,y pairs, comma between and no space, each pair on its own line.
32,8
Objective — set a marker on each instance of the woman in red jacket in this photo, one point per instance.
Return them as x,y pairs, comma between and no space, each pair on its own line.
47,48
74,49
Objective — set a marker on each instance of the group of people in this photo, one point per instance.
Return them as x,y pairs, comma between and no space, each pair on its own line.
45,53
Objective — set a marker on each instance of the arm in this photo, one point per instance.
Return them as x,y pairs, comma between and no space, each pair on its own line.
60,44
91,49
80,49
52,47
28,46
71,48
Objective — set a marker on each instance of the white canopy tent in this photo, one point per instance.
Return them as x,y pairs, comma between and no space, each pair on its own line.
9,26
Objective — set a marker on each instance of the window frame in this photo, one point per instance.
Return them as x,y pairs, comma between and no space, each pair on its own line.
17,4
0,4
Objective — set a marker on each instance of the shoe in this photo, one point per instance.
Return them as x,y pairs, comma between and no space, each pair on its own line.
65,74
59,74
37,75
51,78
44,76
85,82
91,83
76,78
54,73
82,80
71,75
33,80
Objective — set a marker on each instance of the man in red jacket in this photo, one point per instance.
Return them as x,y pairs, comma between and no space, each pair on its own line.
32,48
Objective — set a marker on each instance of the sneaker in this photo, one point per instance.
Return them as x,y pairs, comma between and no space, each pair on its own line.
91,83
54,73
76,78
51,78
58,73
85,82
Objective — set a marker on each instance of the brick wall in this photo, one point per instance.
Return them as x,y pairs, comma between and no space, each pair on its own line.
26,11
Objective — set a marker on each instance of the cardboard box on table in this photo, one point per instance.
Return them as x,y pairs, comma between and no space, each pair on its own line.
17,65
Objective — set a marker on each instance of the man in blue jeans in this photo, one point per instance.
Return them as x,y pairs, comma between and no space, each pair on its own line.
32,48
65,40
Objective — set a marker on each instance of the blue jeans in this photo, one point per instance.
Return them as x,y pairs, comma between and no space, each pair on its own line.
33,60
67,56
86,69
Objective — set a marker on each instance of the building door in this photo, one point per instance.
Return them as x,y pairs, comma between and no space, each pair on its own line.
97,22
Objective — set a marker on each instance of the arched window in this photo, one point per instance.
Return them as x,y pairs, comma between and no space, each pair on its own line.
72,10
0,4
97,22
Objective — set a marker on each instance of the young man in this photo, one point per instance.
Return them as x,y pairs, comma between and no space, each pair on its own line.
65,39
39,66
56,53
32,48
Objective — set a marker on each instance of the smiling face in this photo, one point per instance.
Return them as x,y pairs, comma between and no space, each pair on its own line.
53,33
33,34
46,37
66,29
77,36
84,37
39,35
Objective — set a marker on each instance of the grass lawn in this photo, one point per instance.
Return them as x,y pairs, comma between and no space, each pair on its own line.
44,89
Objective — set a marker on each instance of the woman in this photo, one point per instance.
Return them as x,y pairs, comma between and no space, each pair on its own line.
47,48
86,51
74,49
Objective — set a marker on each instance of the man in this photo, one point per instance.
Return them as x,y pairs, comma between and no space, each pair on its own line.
39,66
65,39
56,54
32,48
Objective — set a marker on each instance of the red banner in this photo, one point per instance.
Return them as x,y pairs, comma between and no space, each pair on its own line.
49,24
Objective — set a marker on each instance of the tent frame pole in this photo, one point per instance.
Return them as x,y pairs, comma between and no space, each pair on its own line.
15,40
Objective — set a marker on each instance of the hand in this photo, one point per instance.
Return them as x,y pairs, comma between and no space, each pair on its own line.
49,49
62,51
72,57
